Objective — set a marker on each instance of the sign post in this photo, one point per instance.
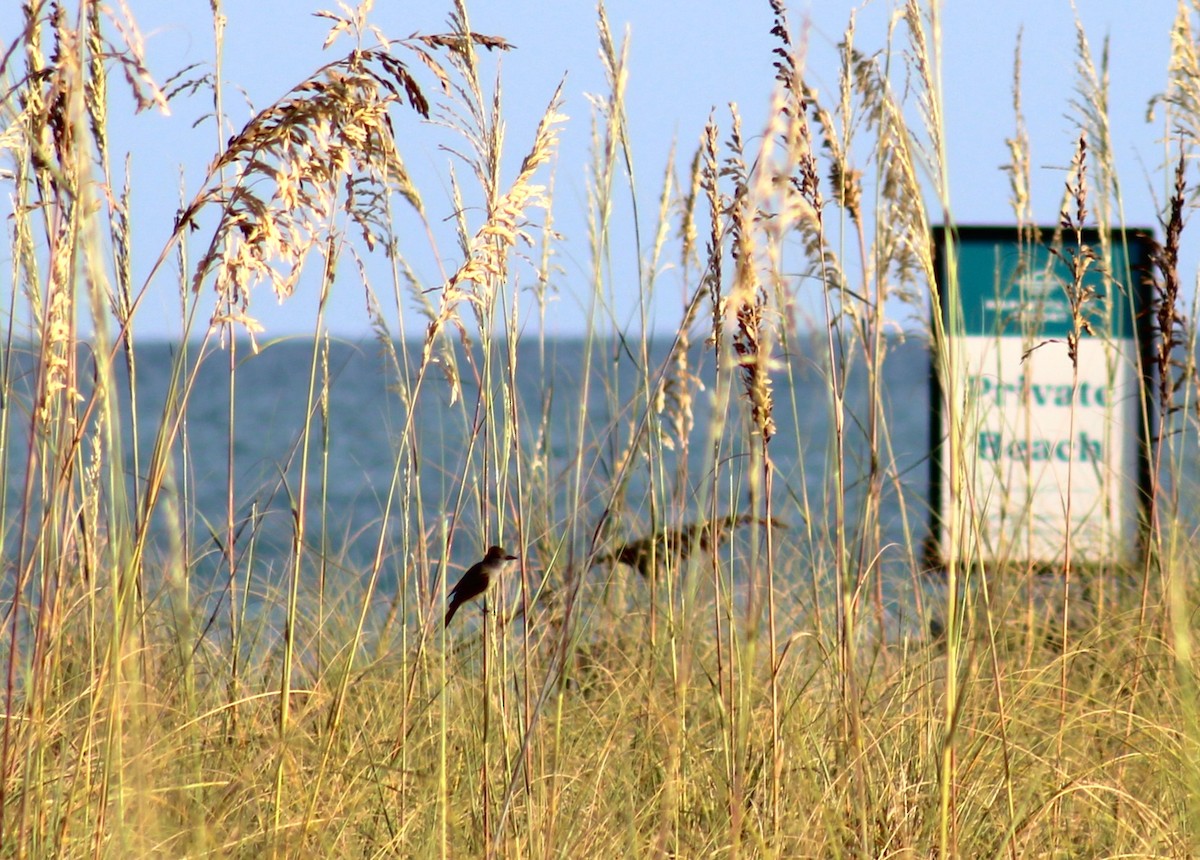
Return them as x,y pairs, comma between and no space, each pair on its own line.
1054,444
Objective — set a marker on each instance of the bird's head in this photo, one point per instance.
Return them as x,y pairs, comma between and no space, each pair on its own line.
496,553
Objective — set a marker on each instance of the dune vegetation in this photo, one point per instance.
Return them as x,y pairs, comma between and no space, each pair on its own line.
685,696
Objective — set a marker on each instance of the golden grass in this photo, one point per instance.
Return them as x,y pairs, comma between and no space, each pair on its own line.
756,697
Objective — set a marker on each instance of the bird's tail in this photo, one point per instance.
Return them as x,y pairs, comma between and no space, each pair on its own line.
454,604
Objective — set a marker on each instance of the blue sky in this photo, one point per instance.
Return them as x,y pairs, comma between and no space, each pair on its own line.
686,59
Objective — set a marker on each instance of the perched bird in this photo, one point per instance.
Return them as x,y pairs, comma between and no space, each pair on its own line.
477,579
658,549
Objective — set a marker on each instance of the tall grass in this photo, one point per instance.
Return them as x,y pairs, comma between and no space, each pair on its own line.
697,654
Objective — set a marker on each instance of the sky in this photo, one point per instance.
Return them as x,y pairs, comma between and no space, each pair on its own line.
686,59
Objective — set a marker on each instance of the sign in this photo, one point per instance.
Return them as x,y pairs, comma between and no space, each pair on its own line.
1054,449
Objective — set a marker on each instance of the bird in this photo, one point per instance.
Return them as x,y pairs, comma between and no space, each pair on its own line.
477,579
657,549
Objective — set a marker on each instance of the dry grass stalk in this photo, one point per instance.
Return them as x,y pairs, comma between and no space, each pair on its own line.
1019,167
1182,95
1174,330
332,136
747,299
1078,256
486,265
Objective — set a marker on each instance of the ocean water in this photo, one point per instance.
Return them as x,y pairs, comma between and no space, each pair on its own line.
367,416
363,442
